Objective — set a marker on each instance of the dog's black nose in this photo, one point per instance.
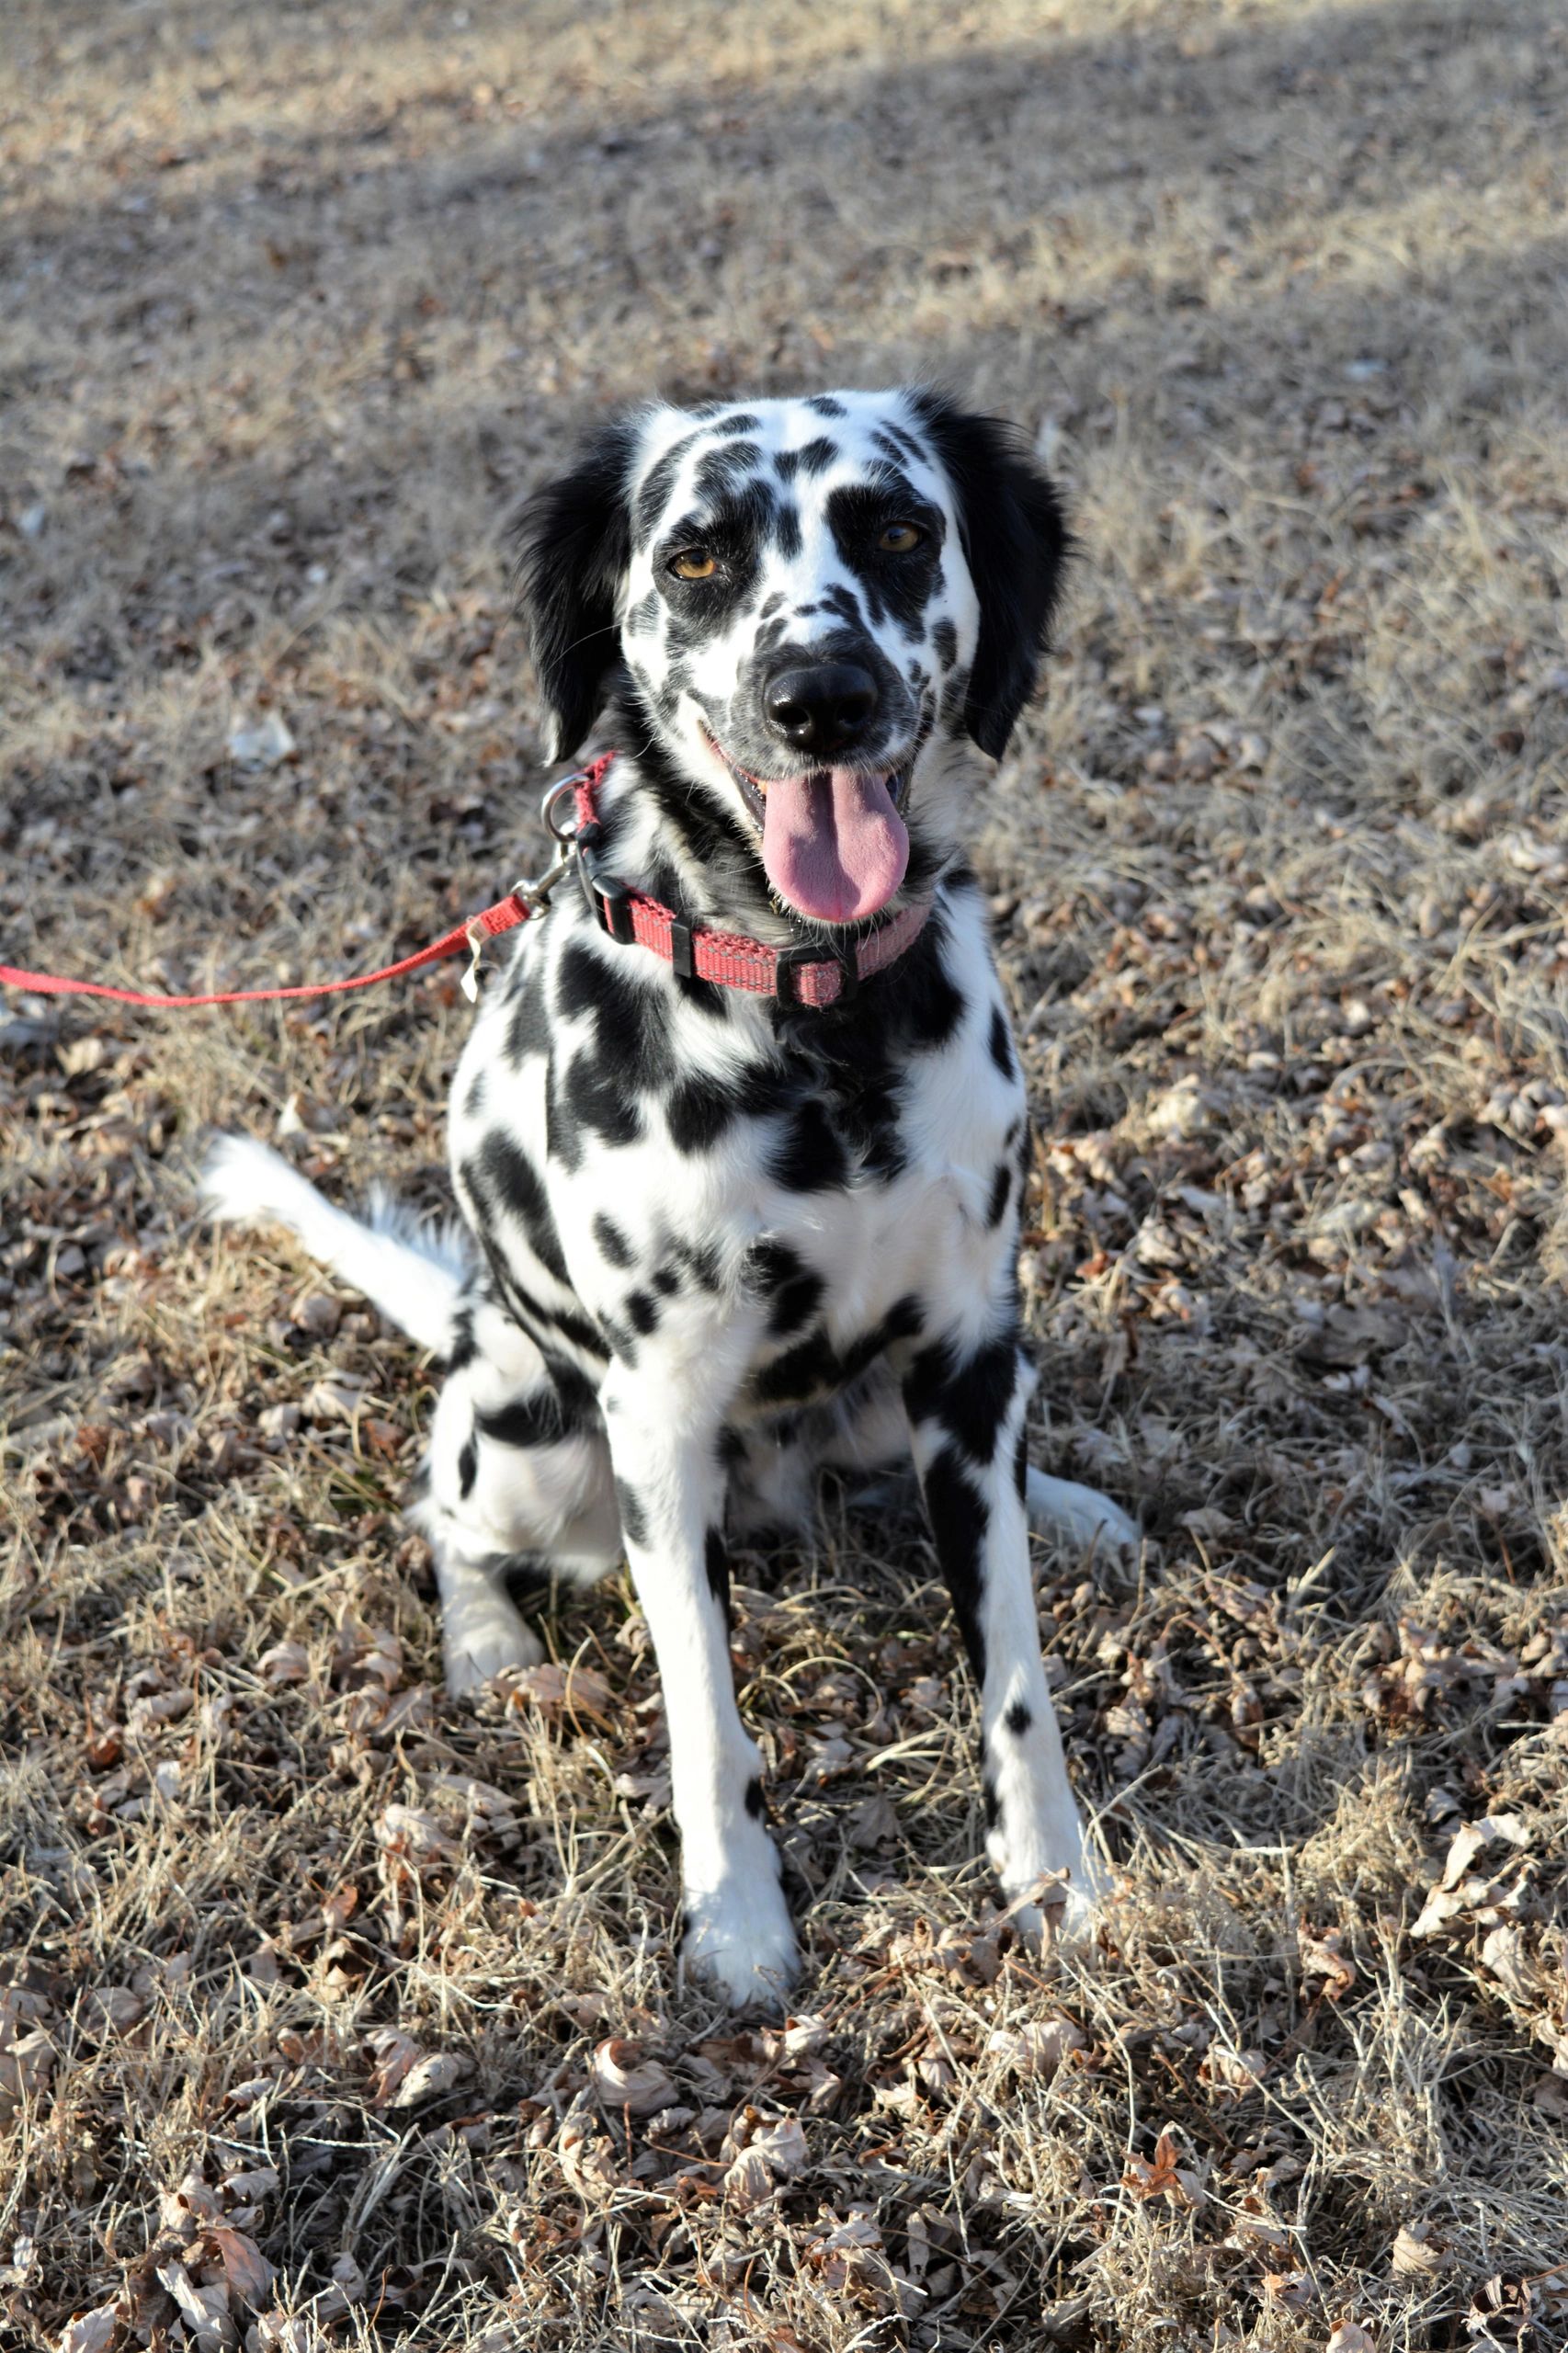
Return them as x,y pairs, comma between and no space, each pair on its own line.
821,707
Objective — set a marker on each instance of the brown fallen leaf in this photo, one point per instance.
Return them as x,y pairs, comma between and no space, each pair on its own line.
416,1837
560,1691
436,2071
204,2309
625,2081
1039,2047
25,2068
284,1663
394,2054
1164,2177
1323,1957
245,2267
1419,2252
92,2332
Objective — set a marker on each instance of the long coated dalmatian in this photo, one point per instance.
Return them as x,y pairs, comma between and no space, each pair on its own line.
739,1135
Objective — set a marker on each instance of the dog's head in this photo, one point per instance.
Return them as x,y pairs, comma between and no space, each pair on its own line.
810,602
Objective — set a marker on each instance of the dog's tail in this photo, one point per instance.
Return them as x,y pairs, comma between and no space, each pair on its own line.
413,1273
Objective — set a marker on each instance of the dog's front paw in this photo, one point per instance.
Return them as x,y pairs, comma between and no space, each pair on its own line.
1060,1908
741,1935
1080,1516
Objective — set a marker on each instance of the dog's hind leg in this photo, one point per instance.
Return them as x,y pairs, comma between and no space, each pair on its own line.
518,1475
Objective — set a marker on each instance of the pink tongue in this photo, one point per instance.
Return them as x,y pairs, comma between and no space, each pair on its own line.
833,844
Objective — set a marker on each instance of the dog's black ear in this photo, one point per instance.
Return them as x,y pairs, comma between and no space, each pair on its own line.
574,548
1015,541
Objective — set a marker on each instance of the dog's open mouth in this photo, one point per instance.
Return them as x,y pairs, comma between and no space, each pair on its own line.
835,845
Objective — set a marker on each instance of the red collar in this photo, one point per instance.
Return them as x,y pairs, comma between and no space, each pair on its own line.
808,974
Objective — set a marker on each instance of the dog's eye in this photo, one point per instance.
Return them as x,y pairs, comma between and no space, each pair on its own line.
693,563
901,538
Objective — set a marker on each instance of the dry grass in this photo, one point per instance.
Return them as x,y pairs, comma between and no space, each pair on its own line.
295,301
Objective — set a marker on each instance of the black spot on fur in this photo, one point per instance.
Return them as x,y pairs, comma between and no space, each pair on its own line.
817,456
810,1158
970,1394
726,468
808,1370
698,1112
658,483
612,1243
1019,1719
468,1467
716,1561
1022,1466
1001,1044
1000,1185
702,1261
666,1281
993,1803
533,1420
756,1804
594,1100
629,1041
500,1179
902,1322
945,641
783,1277
528,1024
641,1312
464,1347
633,1518
825,405
957,1524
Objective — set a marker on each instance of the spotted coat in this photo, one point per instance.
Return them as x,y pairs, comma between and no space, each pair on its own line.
713,1243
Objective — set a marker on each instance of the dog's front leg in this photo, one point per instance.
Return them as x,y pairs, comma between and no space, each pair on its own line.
966,1412
670,1488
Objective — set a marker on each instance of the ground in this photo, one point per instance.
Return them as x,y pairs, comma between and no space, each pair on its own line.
332,2013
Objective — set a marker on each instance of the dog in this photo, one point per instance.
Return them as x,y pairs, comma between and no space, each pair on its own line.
739,1134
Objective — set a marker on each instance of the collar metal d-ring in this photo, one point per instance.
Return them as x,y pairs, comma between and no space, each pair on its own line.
549,807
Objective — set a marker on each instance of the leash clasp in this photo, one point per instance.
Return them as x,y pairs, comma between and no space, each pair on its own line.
536,894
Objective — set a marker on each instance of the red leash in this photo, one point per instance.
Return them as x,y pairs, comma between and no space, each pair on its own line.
503,917
520,905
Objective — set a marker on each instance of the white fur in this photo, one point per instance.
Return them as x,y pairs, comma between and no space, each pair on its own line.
413,1273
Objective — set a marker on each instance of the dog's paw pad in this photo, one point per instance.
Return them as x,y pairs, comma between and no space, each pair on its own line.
740,1935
